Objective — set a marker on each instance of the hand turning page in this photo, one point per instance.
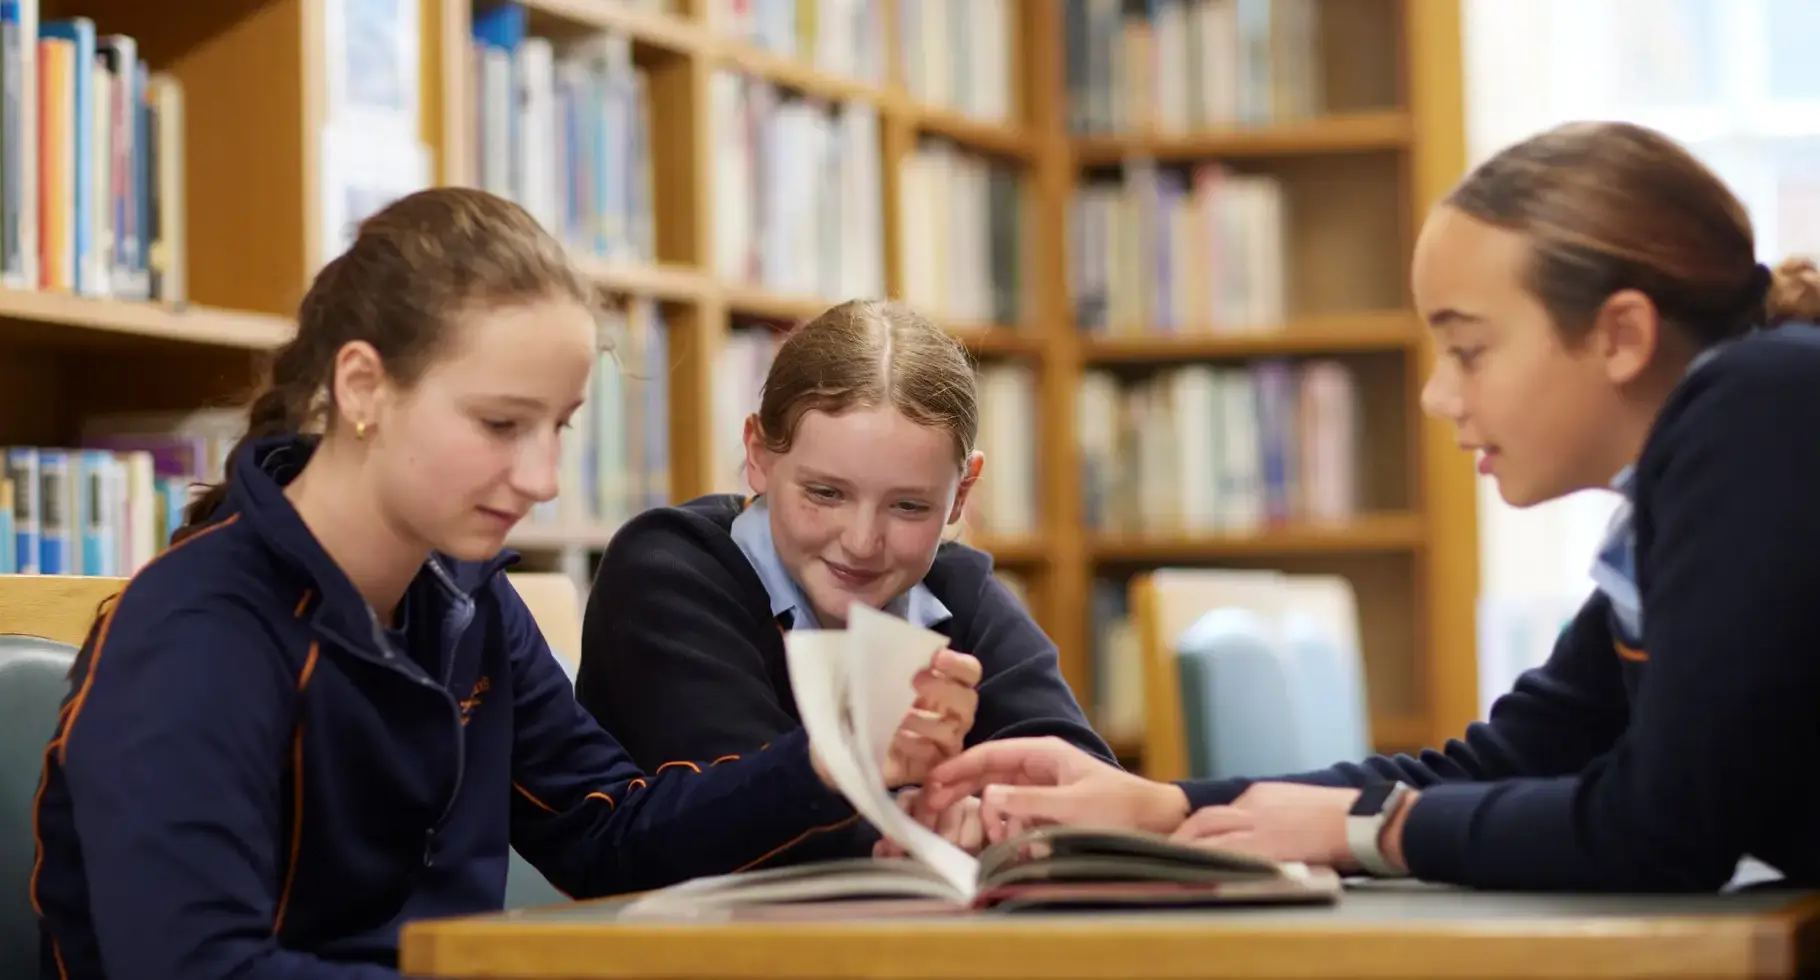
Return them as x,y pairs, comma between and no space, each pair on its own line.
853,688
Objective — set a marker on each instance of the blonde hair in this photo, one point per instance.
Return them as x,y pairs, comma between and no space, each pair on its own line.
866,354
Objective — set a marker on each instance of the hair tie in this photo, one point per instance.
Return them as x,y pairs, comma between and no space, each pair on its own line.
1757,293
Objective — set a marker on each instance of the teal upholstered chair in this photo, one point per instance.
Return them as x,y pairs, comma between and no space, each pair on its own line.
43,618
33,678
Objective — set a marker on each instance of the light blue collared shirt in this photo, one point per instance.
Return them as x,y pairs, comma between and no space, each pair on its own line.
1614,568
752,532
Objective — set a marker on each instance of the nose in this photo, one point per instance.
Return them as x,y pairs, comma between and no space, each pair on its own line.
534,469
862,537
1441,396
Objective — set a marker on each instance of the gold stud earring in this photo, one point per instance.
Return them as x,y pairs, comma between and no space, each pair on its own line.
360,430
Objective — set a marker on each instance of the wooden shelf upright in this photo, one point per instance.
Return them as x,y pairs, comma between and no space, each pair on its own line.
1358,181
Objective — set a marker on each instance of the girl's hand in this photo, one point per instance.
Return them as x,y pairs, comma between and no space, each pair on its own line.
958,824
1028,782
1289,822
936,727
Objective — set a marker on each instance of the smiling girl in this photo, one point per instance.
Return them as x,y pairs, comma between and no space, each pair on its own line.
325,712
1601,321
859,456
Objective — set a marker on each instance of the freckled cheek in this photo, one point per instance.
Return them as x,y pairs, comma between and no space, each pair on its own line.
808,527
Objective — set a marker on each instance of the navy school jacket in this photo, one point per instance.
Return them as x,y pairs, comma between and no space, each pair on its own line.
251,779
683,648
1654,761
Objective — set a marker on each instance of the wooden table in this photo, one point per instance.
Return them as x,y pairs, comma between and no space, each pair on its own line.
1398,929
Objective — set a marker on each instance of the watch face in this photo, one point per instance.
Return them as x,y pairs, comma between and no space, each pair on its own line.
1371,799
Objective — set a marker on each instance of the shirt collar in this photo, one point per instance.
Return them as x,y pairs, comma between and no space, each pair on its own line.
752,532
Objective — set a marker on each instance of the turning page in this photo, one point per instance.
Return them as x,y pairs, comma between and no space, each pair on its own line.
853,688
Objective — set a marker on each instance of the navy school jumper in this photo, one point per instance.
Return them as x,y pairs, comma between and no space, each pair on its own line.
683,648
252,779
1654,761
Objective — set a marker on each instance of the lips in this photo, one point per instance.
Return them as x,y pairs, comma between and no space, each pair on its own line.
1487,460
504,518
852,578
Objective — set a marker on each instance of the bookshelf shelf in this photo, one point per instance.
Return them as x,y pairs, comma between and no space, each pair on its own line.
675,283
655,31
1370,533
1353,133
25,313
534,537
1338,334
1008,141
794,74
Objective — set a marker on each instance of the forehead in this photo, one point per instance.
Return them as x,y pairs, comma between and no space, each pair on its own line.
523,348
874,445
1466,265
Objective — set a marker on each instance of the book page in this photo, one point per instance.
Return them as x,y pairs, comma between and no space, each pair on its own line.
885,654
823,682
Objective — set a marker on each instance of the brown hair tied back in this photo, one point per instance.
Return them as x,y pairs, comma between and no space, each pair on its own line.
415,266
1609,206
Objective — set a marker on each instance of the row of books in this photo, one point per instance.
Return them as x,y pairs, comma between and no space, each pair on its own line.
109,504
1185,65
1160,249
1220,449
616,455
956,54
961,235
565,130
836,37
797,191
91,162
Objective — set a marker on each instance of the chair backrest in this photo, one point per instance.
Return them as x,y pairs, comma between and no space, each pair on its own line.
43,619
555,604
1164,604
55,607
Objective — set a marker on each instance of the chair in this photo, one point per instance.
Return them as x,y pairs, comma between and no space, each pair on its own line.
1248,673
43,620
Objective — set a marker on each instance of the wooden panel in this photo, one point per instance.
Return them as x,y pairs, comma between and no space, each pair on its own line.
244,93
1449,579
1345,228
166,380
33,406
55,607
1361,57
1065,589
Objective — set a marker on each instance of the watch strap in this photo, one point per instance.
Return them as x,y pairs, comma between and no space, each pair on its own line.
1364,832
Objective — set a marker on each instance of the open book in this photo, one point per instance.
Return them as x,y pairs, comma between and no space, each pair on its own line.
853,687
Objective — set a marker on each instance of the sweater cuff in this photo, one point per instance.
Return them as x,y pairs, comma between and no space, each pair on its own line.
1438,831
798,785
1212,792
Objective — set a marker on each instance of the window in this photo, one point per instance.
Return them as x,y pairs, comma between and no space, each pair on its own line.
1735,81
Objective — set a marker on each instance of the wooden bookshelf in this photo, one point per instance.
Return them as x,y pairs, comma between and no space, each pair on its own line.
1357,179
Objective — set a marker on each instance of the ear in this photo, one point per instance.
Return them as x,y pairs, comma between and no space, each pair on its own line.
360,385
1626,333
758,458
970,474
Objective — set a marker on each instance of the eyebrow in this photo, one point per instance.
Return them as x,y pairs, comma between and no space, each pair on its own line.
522,401
810,473
1448,317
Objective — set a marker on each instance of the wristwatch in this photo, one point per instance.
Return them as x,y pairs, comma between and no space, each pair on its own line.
1377,803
